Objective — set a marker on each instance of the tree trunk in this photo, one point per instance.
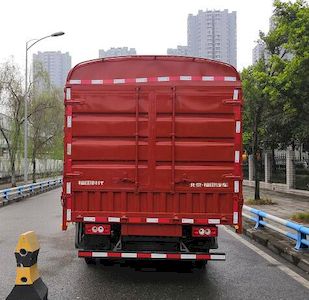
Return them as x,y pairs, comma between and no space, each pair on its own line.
273,160
13,174
256,160
33,168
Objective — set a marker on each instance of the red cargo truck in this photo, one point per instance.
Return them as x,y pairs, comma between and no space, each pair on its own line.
152,159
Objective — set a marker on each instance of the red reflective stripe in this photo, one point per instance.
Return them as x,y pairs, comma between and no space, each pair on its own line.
130,80
136,220
173,256
69,202
235,205
152,79
113,254
201,221
196,78
218,78
85,81
174,78
144,255
101,219
164,220
203,256
84,253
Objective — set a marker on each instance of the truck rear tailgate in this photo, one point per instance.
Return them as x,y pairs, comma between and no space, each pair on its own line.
153,145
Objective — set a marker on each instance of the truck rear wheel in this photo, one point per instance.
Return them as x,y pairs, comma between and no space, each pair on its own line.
201,264
90,261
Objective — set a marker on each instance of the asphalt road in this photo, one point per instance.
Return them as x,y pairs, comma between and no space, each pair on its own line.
244,275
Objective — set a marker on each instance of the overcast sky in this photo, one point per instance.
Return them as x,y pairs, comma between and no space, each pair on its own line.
149,26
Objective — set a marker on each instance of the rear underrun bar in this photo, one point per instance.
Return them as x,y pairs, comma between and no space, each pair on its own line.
156,255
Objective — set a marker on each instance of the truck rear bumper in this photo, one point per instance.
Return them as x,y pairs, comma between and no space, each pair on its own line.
152,256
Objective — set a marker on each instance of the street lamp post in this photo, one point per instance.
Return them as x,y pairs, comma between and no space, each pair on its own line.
28,46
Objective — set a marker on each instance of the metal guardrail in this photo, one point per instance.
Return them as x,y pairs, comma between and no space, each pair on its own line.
301,231
28,188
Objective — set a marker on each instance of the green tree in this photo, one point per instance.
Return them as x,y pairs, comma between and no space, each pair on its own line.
255,82
288,65
46,118
276,112
12,98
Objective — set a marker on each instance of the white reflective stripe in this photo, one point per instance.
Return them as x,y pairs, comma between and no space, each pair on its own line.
129,255
68,187
213,221
238,127
187,256
117,81
208,78
69,121
68,94
236,186
217,256
158,255
113,219
75,81
96,81
69,214
99,254
163,78
228,78
120,80
185,77
235,217
142,79
89,219
237,154
69,149
187,221
152,220
235,95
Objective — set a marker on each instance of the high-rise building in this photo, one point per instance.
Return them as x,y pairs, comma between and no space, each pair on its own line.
212,34
258,52
180,50
56,64
120,51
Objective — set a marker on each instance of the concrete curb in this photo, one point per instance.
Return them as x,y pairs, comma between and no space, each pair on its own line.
278,245
277,187
28,195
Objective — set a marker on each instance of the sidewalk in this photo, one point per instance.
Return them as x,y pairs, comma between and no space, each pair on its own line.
287,204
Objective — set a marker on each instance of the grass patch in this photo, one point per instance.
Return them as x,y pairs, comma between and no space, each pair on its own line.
302,217
263,201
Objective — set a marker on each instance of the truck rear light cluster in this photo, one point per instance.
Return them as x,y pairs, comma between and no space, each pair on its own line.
204,231
103,229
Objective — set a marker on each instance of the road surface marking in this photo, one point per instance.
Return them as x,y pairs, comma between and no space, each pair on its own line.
270,259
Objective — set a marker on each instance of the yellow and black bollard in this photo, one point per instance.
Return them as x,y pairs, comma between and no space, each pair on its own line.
28,284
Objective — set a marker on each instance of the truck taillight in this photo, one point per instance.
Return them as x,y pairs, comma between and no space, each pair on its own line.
103,229
204,231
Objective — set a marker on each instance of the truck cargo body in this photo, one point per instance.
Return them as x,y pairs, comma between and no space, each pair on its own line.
152,156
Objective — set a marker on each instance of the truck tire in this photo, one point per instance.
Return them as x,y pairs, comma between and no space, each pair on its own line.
90,261
201,264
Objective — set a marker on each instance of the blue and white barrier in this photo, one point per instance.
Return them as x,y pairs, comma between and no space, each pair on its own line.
301,231
6,194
